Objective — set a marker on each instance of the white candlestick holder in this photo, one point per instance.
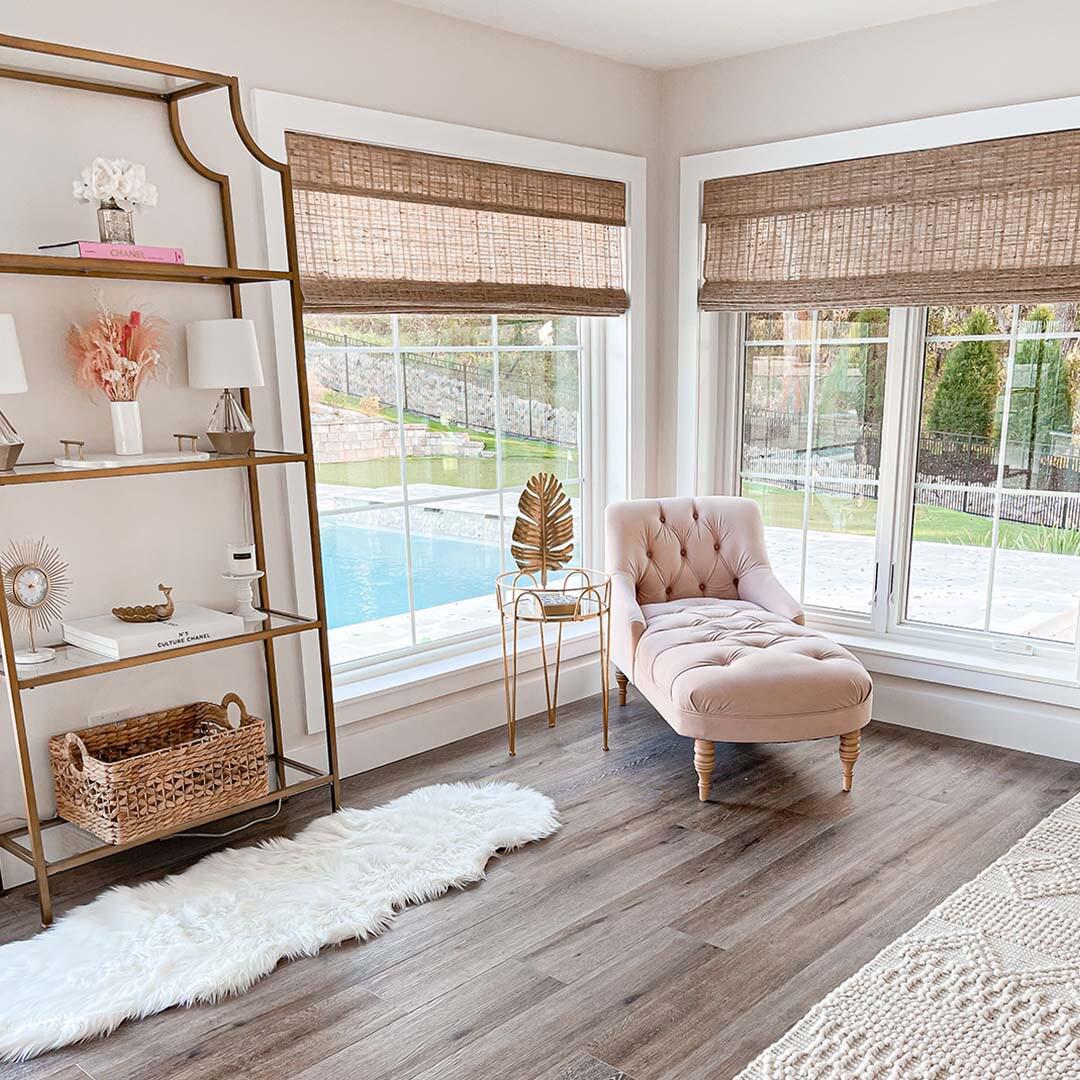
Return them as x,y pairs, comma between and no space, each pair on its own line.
244,607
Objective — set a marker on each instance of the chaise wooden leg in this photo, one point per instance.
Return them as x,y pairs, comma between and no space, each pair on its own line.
623,682
849,754
704,760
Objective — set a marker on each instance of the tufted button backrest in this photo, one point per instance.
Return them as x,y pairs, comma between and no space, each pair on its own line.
673,549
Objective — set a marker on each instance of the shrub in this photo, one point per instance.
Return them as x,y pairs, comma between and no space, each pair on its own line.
966,395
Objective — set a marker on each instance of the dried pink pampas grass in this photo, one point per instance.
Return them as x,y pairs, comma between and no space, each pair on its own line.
115,353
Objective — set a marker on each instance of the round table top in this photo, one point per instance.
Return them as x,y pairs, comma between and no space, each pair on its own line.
576,595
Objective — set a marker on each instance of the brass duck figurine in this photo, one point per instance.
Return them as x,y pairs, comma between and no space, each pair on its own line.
148,612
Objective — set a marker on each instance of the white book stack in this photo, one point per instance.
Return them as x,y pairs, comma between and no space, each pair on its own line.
189,625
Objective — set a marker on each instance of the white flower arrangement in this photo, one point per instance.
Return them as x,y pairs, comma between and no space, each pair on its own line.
120,181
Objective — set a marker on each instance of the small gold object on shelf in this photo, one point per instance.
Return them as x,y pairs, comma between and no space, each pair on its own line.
543,537
148,612
35,585
78,444
181,439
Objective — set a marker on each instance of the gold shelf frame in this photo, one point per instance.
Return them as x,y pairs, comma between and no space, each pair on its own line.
184,82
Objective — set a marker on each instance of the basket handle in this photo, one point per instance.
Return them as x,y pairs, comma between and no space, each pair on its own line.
76,751
234,699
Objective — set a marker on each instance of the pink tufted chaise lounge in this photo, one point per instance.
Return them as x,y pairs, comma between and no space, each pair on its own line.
705,631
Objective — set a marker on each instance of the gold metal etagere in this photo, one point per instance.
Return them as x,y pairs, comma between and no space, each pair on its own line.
52,64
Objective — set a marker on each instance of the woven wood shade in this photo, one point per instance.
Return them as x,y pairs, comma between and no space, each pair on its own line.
386,230
994,221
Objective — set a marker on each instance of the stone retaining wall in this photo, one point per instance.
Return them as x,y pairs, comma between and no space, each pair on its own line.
343,435
439,391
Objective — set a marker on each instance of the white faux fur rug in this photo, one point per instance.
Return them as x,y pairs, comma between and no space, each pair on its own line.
986,987
227,921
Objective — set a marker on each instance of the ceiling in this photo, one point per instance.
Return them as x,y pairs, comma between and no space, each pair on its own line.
666,34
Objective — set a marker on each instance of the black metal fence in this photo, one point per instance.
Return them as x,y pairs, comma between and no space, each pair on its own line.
956,472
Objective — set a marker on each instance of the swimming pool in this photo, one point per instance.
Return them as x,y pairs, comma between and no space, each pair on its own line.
365,576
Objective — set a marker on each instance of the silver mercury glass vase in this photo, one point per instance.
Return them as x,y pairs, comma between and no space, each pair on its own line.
116,226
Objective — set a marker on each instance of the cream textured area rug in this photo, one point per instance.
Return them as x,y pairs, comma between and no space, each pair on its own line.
986,987
227,921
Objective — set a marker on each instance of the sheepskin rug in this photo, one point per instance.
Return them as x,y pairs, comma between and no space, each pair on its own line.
219,926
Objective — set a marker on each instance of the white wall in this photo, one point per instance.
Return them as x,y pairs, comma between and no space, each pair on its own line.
1015,51
121,538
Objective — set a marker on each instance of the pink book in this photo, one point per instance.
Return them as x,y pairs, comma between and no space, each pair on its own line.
93,249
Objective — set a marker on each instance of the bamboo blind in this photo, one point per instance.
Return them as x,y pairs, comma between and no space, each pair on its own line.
387,230
995,221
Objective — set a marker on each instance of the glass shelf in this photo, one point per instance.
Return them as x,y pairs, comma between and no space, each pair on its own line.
130,270
43,472
66,845
71,662
28,60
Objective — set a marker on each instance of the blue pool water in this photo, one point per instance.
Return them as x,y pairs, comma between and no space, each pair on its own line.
364,570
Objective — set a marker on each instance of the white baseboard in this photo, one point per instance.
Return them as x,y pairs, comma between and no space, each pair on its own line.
403,733
1014,723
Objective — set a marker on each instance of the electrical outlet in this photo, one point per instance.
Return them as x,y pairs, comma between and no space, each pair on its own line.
110,716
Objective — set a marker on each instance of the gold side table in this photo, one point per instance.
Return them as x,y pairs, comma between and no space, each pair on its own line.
579,595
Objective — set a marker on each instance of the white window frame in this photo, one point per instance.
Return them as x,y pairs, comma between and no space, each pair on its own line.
614,398
710,394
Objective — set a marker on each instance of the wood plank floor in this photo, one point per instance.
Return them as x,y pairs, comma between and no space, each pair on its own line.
653,938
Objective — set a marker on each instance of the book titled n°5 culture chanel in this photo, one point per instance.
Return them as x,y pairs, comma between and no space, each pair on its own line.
189,625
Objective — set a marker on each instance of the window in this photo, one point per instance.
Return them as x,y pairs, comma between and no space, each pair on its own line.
425,429
976,518
995,527
814,385
914,442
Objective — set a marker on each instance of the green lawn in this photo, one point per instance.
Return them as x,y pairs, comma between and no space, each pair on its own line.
783,508
521,458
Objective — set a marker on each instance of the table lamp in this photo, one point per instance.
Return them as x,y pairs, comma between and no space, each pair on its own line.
12,381
223,354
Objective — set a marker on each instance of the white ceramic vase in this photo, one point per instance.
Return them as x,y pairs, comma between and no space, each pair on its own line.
127,427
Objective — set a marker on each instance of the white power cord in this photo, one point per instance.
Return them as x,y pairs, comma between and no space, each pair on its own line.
231,832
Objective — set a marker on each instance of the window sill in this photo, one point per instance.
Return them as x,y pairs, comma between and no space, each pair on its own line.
380,688
1049,679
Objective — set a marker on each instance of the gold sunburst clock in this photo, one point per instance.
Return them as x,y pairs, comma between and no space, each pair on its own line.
36,583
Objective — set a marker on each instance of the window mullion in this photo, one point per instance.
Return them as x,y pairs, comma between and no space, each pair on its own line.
808,462
497,398
399,368
903,324
999,483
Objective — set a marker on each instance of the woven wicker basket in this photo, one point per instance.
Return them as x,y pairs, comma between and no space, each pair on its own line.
147,775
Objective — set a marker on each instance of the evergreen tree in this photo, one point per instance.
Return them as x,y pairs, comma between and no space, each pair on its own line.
1042,400
966,395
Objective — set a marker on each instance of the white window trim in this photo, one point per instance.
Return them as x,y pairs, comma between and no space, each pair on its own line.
709,386
615,398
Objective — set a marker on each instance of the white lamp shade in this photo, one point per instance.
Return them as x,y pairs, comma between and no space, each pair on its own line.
12,375
223,353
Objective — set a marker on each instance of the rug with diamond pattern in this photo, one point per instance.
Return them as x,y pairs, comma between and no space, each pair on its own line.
986,986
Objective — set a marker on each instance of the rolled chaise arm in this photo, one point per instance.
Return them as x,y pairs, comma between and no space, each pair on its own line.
762,587
627,622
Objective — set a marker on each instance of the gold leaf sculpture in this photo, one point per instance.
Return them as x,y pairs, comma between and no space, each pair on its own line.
148,612
543,537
